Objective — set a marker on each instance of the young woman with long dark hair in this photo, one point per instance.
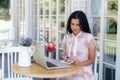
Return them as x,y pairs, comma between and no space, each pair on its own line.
79,46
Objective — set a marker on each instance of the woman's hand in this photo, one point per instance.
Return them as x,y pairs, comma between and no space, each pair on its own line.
66,58
64,55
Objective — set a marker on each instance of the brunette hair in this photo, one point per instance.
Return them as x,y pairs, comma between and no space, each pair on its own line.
83,21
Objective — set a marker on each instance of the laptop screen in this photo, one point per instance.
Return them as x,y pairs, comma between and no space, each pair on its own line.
39,56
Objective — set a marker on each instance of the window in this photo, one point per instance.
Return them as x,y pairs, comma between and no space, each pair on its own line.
48,20
5,24
104,22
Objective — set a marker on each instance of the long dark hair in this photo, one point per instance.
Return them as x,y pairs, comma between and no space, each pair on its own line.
83,21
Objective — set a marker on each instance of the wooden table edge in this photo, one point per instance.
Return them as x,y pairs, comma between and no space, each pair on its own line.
31,72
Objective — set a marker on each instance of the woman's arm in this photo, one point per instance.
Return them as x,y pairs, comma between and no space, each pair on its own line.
91,58
91,53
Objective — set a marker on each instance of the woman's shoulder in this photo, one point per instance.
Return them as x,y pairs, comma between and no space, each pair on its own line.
88,36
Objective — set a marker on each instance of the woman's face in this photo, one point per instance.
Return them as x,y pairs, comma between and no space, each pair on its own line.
75,26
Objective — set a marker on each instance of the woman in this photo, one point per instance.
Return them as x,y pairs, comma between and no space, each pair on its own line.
79,46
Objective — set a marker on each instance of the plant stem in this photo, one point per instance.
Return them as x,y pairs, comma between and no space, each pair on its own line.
45,38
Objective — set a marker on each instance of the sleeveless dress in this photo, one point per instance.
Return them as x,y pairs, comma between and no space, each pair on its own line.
84,41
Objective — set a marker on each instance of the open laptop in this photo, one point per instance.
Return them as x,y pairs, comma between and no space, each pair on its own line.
40,58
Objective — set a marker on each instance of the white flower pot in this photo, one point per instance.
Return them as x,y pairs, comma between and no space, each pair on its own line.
24,59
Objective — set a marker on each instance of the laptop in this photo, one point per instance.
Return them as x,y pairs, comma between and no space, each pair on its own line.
48,63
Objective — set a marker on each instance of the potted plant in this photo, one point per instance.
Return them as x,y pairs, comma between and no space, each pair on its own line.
27,51
26,42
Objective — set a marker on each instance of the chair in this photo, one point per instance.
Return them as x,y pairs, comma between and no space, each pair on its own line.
9,56
95,66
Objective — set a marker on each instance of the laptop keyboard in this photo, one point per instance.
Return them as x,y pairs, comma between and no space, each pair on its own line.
49,64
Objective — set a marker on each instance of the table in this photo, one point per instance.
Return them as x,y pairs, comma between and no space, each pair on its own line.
38,71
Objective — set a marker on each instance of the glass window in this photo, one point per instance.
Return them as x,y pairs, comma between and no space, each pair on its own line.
51,21
5,24
62,23
54,6
108,70
62,7
112,7
95,7
96,26
110,51
111,28
105,35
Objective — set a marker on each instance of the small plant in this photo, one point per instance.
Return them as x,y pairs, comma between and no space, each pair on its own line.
50,46
25,41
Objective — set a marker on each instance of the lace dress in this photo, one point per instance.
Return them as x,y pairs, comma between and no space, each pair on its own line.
84,41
